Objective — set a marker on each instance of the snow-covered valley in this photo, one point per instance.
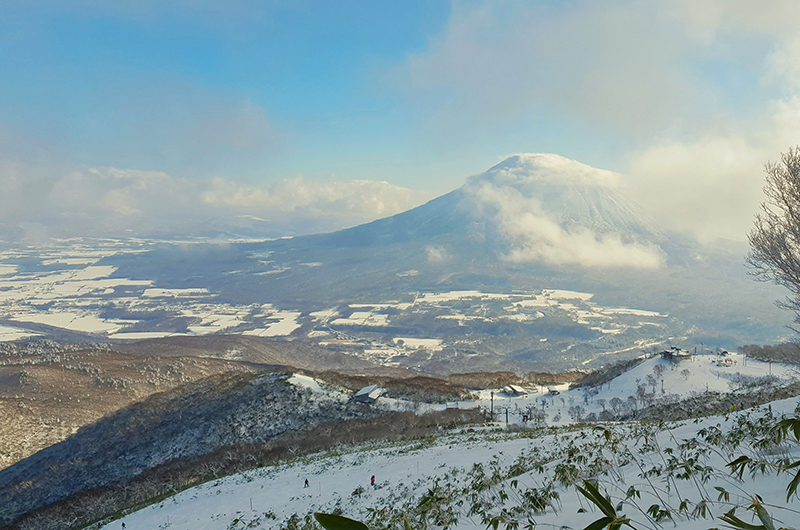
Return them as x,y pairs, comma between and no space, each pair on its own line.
119,290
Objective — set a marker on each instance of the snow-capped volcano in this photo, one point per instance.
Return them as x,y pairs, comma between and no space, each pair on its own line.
526,168
555,210
572,193
532,208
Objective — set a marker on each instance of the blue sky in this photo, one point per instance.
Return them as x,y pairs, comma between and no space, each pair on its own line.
106,86
419,95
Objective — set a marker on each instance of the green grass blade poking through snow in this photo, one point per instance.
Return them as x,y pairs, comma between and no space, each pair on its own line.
611,520
337,522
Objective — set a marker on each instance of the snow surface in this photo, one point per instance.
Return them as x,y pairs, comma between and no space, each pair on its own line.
702,375
413,342
363,318
10,333
409,469
73,293
305,381
7,269
61,284
431,298
285,325
90,323
173,293
142,335
325,314
280,489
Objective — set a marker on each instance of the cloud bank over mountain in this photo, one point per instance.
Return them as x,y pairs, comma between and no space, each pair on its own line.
122,202
545,207
367,199
688,100
698,95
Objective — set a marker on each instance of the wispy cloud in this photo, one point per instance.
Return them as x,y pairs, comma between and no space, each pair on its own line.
437,254
709,183
179,127
610,64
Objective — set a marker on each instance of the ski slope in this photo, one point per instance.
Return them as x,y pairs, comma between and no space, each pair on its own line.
339,478
407,471
687,378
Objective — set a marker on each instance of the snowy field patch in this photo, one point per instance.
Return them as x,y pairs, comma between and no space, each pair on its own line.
413,342
174,293
10,333
286,324
88,323
363,318
141,335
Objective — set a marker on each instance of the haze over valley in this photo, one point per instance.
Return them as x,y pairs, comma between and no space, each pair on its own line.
539,263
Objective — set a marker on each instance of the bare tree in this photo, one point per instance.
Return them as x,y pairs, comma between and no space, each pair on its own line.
641,393
539,417
616,405
652,381
775,238
659,370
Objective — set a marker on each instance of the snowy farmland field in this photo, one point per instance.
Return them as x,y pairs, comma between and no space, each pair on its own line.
63,287
77,286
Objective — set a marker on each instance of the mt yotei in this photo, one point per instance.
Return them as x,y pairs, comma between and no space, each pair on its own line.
540,262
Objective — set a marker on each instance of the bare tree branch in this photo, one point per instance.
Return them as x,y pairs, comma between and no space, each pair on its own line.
775,237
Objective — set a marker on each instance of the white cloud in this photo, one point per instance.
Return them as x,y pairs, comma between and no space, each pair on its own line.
782,66
540,239
708,188
365,199
105,200
119,192
187,130
436,254
712,186
617,64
